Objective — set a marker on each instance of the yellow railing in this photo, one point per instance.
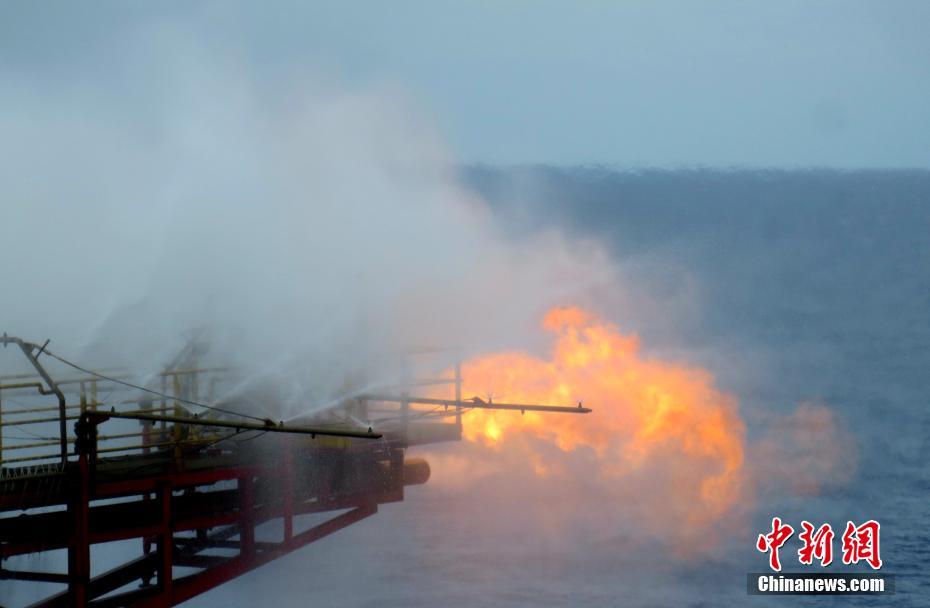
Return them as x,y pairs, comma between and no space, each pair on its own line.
30,418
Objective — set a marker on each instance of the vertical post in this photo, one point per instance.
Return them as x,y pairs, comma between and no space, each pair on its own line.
93,394
177,413
406,379
166,543
146,406
289,474
246,522
79,551
164,400
147,432
404,413
79,507
194,384
458,394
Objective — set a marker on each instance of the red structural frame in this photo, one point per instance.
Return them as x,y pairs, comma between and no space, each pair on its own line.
157,507
198,507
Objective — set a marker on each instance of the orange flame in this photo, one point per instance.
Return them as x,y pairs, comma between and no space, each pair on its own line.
647,413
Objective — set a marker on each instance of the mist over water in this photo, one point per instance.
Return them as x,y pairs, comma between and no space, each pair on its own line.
307,231
807,295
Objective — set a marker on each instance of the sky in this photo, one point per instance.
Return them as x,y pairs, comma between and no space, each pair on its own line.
627,84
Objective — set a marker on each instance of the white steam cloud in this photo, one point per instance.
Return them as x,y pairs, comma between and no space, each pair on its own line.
308,230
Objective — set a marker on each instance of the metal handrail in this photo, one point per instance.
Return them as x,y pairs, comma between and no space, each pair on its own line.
178,384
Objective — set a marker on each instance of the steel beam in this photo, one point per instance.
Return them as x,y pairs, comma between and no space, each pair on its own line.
268,426
477,403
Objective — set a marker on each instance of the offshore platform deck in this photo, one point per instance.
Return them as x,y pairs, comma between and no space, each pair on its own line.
185,479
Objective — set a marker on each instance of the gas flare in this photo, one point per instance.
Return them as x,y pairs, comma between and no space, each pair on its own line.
649,415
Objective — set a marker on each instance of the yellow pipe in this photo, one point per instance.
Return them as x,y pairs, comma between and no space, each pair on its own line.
39,444
33,410
36,385
37,421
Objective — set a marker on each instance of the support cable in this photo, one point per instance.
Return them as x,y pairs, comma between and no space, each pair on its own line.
152,391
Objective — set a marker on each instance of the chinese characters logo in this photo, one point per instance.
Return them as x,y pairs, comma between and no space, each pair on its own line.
859,543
